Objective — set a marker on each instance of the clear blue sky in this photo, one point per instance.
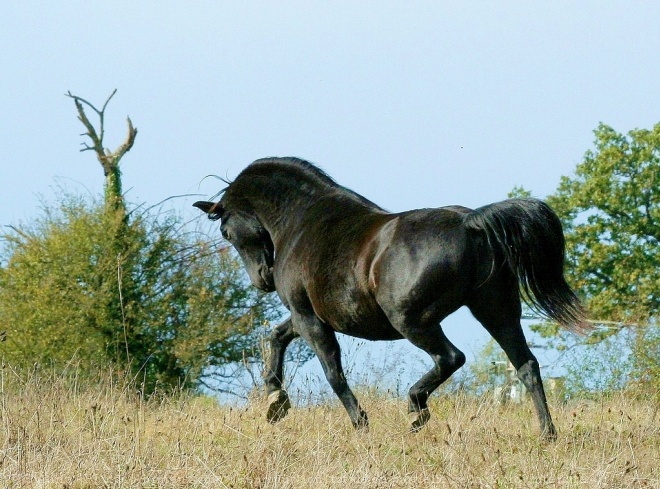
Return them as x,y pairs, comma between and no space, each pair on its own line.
412,104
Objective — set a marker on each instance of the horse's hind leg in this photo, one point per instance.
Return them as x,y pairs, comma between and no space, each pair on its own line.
499,312
278,399
446,358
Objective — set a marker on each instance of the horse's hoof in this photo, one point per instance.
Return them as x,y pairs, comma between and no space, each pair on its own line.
362,423
278,406
549,434
418,419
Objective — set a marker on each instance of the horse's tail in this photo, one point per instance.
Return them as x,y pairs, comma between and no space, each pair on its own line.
529,236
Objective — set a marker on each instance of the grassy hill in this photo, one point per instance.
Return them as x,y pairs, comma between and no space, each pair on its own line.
57,432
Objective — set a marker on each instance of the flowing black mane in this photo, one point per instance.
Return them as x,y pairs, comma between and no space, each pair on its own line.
306,168
303,170
266,167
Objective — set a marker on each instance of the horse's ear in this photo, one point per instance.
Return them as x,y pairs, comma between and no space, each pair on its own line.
214,210
204,206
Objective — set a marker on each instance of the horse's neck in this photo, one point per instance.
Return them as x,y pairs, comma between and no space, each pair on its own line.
281,211
281,205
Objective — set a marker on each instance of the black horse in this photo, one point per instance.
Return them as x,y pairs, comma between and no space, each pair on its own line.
340,263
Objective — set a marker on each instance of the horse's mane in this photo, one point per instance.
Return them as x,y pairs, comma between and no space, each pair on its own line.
307,169
263,165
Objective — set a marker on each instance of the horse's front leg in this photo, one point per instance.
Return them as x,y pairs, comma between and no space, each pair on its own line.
321,338
278,399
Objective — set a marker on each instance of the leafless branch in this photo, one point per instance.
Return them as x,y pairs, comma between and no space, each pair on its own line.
109,160
130,139
171,197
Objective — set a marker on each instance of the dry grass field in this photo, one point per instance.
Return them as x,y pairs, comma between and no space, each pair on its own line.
55,433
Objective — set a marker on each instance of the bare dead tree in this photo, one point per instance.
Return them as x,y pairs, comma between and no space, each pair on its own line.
109,159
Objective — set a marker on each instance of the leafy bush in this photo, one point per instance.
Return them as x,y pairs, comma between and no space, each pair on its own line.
141,291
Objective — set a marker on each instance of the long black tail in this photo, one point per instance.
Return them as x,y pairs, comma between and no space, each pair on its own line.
529,236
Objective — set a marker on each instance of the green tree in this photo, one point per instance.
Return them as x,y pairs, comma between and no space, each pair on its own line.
611,214
611,210
101,283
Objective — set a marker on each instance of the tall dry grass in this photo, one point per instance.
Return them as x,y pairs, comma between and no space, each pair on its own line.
57,432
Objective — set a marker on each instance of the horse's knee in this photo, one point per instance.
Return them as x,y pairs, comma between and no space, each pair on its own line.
456,360
280,338
448,364
444,367
282,334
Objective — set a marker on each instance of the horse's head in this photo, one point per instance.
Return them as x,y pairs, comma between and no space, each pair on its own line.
246,234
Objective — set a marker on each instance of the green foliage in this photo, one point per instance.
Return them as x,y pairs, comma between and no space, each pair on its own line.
519,192
93,285
611,214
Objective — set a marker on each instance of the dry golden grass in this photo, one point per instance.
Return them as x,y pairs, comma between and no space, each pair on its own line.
57,434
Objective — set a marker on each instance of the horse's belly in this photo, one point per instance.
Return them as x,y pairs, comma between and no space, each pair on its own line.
369,327
349,309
